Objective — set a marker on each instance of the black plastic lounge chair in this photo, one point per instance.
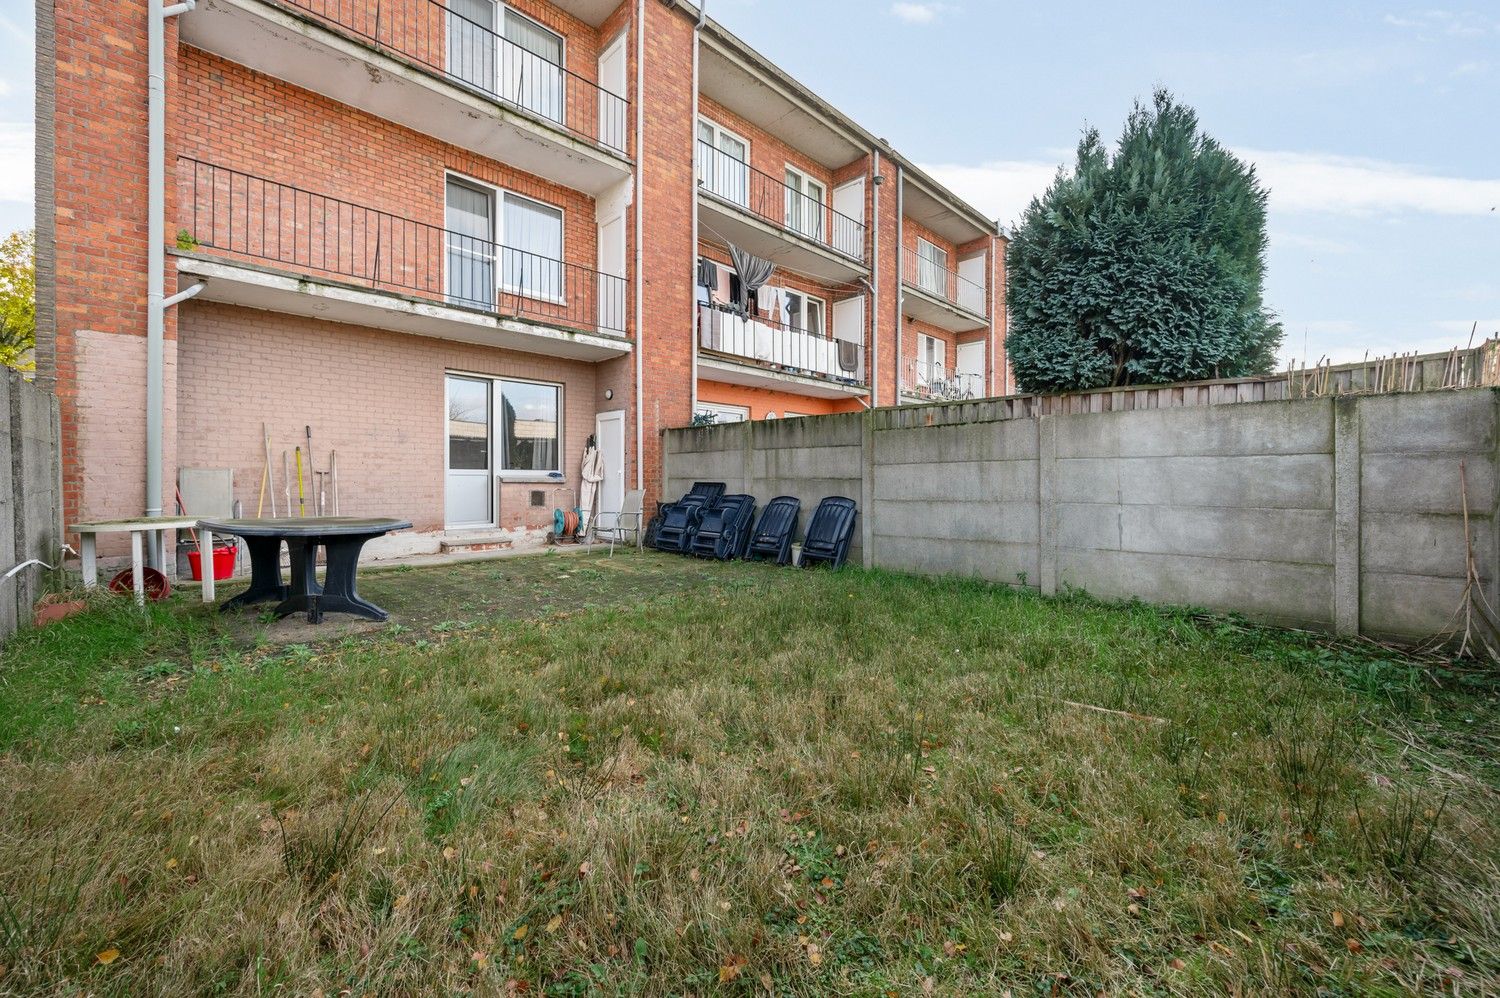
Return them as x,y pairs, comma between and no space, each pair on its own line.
829,533
773,536
724,531
675,523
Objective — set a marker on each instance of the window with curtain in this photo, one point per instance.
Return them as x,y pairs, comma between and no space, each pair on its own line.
530,427
723,163
804,204
472,42
531,66
932,268
470,274
532,234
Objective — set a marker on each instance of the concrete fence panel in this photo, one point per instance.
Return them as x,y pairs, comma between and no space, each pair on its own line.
30,495
1344,513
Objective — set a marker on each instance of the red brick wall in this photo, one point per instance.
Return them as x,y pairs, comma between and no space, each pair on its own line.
667,190
232,117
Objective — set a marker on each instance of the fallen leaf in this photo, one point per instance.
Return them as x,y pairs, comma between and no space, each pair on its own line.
555,923
482,960
1338,919
401,902
520,933
585,868
450,853
172,864
1134,909
108,956
1178,964
732,968
1354,945
1006,937
814,955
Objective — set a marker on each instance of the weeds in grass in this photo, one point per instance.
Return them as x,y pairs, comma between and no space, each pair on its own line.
317,857
1311,758
35,913
1399,836
994,861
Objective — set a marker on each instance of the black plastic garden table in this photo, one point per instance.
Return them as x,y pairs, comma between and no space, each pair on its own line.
341,537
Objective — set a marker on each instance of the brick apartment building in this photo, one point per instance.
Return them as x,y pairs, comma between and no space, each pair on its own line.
456,240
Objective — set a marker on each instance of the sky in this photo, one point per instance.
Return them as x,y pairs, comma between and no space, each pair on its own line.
1374,124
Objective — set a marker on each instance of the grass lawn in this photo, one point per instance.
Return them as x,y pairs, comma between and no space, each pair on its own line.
646,775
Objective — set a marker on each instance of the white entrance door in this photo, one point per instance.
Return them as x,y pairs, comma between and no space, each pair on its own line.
609,434
971,285
468,440
848,223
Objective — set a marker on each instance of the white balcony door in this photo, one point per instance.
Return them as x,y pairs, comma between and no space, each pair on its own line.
849,328
969,366
531,61
805,206
472,42
848,223
724,163
971,284
612,79
469,441
932,357
471,245
612,262
932,269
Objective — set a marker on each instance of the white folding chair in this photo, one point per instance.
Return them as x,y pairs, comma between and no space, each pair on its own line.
628,520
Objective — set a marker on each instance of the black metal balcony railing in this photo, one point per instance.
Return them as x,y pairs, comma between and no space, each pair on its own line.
431,35
779,347
937,280
931,380
768,198
225,211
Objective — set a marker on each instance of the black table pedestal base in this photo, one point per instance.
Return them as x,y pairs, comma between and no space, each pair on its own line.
337,594
265,574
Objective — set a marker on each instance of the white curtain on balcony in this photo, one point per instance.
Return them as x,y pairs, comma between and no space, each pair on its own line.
471,42
533,248
531,66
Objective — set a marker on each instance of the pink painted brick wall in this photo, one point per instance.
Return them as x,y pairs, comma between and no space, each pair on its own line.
376,397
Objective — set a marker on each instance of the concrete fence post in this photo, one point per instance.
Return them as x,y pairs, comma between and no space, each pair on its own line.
10,537
867,487
1346,515
1046,470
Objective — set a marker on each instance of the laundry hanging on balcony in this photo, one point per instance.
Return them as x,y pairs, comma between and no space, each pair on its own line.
754,272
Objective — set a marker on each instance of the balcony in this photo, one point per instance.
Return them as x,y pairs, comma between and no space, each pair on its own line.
267,245
422,65
935,294
925,381
760,353
762,214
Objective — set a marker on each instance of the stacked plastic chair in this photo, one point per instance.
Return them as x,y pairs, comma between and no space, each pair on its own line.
723,531
773,535
830,532
675,523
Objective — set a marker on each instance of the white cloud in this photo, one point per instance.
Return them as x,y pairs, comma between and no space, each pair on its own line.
17,176
1000,188
918,13
1460,23
1346,185
1312,183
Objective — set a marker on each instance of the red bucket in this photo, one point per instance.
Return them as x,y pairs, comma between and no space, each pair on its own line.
223,563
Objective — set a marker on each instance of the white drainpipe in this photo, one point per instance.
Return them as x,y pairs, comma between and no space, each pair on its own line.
640,228
900,275
156,263
875,273
693,281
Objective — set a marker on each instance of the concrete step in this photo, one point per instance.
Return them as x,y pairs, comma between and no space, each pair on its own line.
473,543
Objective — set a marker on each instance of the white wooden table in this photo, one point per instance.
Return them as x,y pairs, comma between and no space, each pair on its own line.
141,529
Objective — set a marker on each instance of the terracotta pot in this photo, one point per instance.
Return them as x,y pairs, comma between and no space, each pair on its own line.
48,613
